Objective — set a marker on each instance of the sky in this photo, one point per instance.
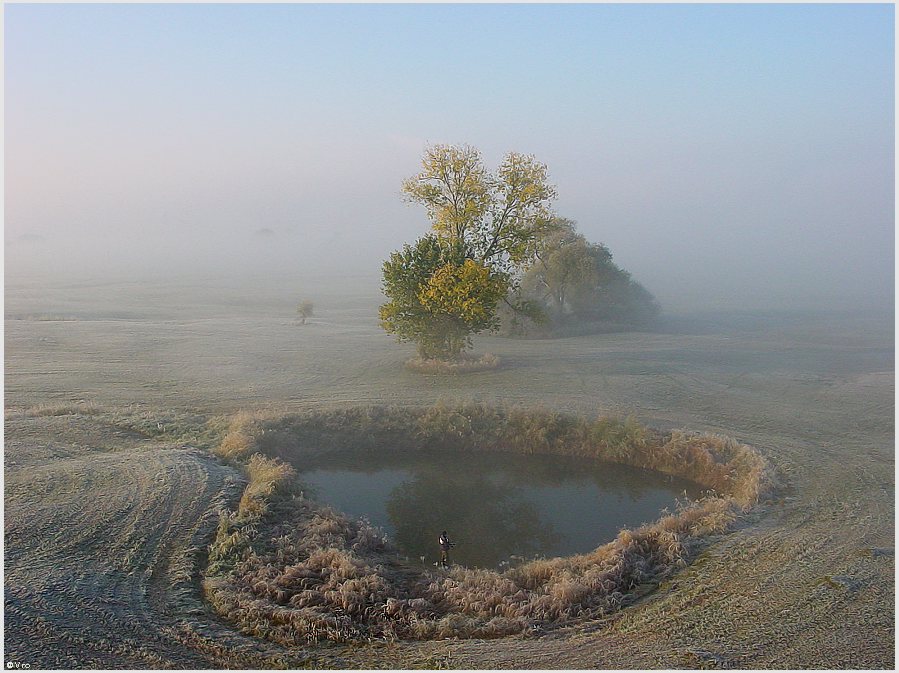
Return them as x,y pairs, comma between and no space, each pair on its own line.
728,155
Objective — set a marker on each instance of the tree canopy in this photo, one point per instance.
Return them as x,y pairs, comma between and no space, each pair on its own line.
575,280
439,296
304,310
499,216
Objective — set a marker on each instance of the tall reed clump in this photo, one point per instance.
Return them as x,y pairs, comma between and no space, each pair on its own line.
288,569
241,437
269,483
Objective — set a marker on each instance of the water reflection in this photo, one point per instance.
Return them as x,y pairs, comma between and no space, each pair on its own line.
495,506
490,519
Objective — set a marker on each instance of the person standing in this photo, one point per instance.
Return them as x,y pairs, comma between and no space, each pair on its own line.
445,546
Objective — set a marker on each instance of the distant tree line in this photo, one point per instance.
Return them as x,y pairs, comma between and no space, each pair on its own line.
574,286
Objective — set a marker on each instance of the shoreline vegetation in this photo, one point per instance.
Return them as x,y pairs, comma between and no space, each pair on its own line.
288,569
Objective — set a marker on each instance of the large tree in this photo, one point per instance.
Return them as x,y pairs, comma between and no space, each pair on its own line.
439,296
485,230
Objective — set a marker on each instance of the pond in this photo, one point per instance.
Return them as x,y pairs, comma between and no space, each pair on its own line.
499,508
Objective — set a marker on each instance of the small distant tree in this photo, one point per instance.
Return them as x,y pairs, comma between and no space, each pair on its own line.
304,310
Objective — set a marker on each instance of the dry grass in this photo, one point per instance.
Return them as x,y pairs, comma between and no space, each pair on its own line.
177,427
266,476
65,409
244,430
306,573
463,365
269,482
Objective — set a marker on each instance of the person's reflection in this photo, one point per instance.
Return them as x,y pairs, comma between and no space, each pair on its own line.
490,518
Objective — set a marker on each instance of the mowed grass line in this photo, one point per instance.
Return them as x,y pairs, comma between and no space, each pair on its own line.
288,569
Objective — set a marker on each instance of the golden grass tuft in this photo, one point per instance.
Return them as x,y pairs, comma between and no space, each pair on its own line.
463,365
240,440
265,476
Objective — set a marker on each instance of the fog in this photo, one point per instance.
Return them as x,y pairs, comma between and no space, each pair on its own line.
729,156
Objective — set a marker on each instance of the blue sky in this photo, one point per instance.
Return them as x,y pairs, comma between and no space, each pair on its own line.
723,152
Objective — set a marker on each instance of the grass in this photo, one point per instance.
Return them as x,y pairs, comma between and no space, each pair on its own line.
269,481
82,407
288,569
45,317
266,476
464,365
243,431
791,386
186,428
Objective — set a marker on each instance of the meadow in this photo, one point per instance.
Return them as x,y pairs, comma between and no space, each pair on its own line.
117,392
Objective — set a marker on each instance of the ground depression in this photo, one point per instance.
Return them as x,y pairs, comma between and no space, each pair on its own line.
287,568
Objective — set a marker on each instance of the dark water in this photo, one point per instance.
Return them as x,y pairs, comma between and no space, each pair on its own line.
496,507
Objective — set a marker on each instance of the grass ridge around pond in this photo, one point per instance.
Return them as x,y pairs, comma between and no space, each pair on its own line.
286,568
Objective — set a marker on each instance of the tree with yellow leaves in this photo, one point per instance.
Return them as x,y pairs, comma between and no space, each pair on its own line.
500,217
485,230
439,297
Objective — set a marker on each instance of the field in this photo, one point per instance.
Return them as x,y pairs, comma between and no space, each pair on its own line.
110,506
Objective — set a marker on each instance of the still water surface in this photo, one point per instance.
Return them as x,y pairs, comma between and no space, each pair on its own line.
496,507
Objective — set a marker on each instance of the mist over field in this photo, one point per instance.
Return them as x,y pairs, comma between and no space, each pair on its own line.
603,292
730,157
